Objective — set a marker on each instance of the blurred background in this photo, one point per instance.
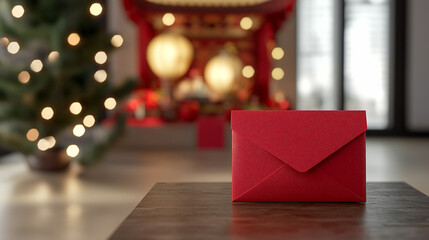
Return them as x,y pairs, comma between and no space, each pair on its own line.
99,100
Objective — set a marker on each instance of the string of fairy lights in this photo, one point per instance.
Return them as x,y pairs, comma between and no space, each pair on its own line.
75,108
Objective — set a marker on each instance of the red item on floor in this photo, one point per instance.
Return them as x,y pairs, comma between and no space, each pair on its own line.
298,156
210,132
189,110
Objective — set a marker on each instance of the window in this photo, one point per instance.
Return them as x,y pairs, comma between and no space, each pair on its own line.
366,59
316,86
364,80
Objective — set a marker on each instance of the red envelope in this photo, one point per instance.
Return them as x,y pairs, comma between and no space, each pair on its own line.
298,156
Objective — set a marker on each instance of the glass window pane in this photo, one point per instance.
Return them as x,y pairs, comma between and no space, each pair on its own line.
366,59
316,81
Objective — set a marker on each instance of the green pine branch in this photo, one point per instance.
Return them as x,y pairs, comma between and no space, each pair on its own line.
45,27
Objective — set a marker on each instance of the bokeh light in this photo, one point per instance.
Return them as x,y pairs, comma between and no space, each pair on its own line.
72,150
79,130
47,113
4,41
73,39
36,65
248,71
117,40
96,9
51,141
277,73
100,57
13,47
53,56
24,77
75,108
277,53
89,121
18,11
100,76
110,103
168,19
43,144
32,135
246,23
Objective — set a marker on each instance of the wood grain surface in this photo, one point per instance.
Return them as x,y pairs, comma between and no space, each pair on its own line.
205,211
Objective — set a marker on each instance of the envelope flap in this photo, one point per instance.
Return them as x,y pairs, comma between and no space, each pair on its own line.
301,139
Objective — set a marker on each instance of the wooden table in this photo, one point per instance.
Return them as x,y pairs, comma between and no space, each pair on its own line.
205,211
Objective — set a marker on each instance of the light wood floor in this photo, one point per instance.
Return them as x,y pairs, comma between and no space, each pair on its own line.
91,203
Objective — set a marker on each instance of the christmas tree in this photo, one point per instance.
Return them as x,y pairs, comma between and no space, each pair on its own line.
53,56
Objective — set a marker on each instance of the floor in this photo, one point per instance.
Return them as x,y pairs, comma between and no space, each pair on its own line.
91,203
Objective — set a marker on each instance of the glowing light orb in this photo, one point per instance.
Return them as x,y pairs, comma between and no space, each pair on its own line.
51,141
24,77
75,108
100,57
47,113
43,144
248,71
72,150
79,130
221,71
110,103
95,9
169,55
100,76
246,23
73,39
277,73
53,56
117,40
18,11
168,19
13,47
277,53
32,135
36,65
89,121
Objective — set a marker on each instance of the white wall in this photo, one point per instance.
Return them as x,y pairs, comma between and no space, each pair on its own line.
123,62
418,65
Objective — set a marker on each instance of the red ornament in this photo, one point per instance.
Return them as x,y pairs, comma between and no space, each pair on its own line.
132,104
189,110
285,105
150,98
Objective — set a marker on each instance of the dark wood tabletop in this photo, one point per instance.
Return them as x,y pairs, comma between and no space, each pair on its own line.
205,211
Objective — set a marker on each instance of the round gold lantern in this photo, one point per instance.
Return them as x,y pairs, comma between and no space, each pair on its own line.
221,71
169,55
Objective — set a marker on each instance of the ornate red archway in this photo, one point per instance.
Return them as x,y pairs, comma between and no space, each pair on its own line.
212,23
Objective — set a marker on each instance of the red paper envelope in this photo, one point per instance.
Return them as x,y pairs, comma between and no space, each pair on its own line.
298,156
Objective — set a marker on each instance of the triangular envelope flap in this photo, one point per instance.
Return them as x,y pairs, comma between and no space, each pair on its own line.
301,139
